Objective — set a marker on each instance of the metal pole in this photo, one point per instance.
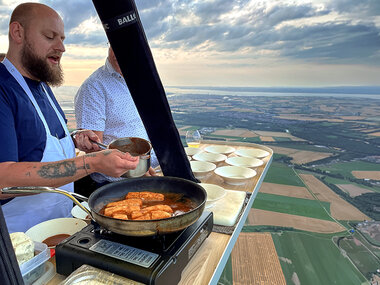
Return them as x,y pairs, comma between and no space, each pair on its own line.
126,35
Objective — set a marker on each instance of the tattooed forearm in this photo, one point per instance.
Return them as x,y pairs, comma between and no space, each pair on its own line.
58,170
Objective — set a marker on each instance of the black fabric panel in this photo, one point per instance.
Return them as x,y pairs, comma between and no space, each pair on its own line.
127,37
10,273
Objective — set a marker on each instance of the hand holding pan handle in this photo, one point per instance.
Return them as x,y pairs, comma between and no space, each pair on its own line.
41,189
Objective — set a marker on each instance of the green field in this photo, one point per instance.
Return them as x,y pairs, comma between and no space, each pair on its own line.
290,205
364,261
345,168
282,174
300,146
282,139
315,260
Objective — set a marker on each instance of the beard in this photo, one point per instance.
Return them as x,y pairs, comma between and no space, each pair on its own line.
39,68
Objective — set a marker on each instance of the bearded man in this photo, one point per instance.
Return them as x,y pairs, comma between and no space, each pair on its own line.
36,147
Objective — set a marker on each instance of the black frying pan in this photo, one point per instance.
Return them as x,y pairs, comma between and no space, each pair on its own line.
117,191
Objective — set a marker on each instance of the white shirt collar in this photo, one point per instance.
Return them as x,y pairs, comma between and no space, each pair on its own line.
110,68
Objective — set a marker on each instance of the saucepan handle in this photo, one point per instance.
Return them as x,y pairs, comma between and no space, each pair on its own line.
42,189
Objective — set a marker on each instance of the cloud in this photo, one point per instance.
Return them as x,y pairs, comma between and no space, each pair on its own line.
329,31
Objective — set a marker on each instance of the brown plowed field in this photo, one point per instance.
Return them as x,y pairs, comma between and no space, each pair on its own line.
340,209
285,190
353,190
375,175
375,134
301,156
304,118
258,217
235,133
258,265
267,139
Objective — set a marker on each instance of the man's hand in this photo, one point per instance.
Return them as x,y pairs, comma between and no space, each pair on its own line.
111,162
150,172
84,141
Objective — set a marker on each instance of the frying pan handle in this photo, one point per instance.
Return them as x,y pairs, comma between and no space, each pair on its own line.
42,189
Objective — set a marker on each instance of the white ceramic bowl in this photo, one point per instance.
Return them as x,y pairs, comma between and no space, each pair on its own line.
78,213
201,168
54,227
214,193
210,157
223,149
250,162
235,175
190,151
252,152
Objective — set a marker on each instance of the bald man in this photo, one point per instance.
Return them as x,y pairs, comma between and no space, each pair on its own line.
36,147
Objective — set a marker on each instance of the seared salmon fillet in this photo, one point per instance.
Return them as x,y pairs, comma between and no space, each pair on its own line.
134,202
144,211
146,196
154,215
160,207
127,209
120,216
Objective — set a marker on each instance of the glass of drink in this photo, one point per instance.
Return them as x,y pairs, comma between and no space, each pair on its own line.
193,138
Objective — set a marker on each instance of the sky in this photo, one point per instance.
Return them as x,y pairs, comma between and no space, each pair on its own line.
258,43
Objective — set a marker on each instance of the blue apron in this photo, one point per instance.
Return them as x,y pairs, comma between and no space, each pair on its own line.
22,213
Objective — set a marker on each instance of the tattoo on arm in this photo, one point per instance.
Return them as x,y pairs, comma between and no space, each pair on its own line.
58,170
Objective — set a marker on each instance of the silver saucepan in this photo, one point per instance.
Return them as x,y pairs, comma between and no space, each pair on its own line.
136,147
117,191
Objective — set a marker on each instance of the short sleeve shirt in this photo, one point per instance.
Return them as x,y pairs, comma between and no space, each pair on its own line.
22,131
104,103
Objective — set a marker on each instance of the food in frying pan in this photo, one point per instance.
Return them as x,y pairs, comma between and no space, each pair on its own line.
126,202
148,206
127,209
146,196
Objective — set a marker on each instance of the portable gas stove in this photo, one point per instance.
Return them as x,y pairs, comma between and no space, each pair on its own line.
150,260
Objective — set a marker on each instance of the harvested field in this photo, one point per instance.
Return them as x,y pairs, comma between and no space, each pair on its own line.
353,118
235,133
340,209
258,265
285,190
257,217
353,190
301,156
273,134
304,156
375,175
267,139
305,118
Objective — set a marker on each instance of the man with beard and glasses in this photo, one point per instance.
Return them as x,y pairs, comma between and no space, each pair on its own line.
36,147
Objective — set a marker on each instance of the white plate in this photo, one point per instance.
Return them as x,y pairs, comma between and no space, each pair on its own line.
223,149
201,168
252,152
250,162
78,213
190,151
50,228
210,157
214,193
235,175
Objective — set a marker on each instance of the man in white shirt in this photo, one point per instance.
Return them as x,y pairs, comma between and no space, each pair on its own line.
104,104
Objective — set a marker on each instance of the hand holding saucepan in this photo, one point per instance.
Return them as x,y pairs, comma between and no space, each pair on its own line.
84,140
